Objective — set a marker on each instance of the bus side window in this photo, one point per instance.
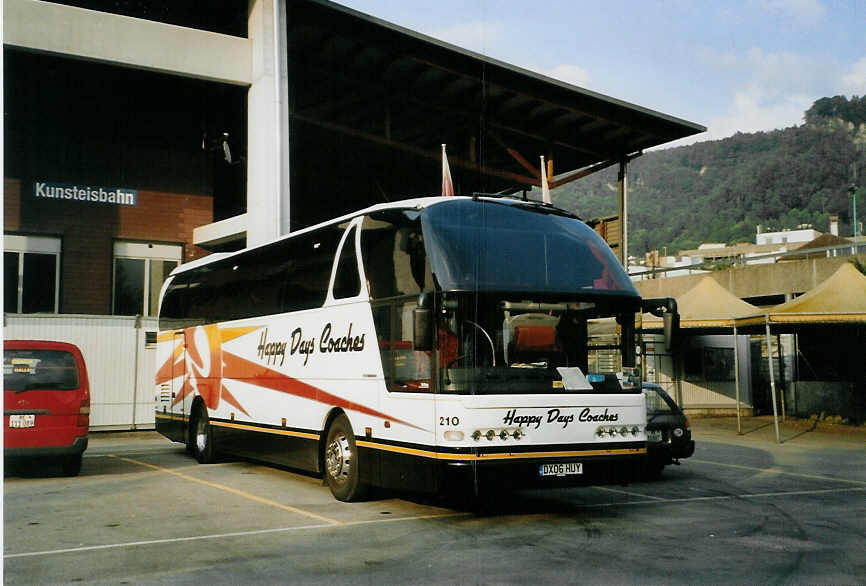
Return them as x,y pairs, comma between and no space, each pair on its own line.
313,258
406,369
395,261
173,311
347,281
377,244
200,296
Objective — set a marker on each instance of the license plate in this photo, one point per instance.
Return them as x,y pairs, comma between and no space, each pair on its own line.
18,421
654,435
566,469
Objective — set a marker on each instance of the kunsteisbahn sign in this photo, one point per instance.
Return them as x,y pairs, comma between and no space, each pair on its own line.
85,193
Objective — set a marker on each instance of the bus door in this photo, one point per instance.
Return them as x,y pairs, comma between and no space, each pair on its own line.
178,380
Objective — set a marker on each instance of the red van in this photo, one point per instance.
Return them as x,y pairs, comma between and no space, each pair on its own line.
46,402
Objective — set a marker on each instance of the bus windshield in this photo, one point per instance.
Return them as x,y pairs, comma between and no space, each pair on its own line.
493,246
530,300
493,344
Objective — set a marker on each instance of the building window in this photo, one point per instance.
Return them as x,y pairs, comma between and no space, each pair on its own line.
140,269
31,269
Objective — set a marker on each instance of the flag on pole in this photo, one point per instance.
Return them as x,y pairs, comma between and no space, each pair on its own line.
447,184
545,189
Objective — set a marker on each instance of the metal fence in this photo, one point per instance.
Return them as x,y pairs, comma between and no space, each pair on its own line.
120,358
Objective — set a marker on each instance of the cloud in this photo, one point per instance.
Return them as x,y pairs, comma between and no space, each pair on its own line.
785,72
754,110
770,90
490,38
568,73
803,13
855,80
479,36
782,71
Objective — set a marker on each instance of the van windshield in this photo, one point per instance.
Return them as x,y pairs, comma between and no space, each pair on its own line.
50,370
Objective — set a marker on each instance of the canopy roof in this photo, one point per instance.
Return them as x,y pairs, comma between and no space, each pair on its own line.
839,299
357,78
706,305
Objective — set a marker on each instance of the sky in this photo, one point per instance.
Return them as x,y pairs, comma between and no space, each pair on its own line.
730,65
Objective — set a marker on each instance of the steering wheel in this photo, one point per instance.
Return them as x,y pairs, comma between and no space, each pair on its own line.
486,335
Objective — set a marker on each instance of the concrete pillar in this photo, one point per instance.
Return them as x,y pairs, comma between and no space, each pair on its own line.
267,124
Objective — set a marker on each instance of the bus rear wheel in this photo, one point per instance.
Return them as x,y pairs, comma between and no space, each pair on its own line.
341,462
201,438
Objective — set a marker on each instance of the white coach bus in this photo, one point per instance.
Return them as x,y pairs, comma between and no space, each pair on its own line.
411,345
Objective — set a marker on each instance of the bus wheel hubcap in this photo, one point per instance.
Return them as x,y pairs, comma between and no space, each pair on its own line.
339,458
200,436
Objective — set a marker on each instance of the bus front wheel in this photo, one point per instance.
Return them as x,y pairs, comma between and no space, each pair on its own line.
202,438
341,462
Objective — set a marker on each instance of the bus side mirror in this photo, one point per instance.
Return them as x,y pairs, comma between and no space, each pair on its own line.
671,328
422,318
665,308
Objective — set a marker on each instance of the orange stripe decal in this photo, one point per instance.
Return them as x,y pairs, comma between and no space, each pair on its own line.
228,334
500,456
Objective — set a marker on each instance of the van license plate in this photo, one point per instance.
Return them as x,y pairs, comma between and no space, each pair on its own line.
22,420
566,469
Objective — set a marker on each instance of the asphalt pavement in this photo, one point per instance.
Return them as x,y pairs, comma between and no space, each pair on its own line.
761,432
744,509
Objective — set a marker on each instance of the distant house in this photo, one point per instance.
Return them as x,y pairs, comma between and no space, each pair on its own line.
822,246
803,234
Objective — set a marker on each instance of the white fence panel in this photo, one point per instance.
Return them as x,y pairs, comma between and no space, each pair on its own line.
144,397
119,366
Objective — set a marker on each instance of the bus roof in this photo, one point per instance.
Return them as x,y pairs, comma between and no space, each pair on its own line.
417,203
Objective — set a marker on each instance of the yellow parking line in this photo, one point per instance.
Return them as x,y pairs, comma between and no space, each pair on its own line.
777,471
231,490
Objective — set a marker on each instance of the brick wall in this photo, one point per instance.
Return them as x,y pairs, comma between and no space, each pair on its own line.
88,232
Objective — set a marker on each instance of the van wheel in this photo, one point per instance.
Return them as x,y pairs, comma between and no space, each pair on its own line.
341,462
71,465
201,438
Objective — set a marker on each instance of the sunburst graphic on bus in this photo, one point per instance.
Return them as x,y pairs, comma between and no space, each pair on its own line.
203,365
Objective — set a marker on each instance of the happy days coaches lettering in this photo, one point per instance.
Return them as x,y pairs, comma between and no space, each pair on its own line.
87,193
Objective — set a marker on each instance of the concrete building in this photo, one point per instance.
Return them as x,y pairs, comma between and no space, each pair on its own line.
800,235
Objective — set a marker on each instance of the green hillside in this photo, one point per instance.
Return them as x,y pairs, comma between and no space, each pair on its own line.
719,191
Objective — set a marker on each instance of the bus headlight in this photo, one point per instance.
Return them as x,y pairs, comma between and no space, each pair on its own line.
453,435
621,431
503,434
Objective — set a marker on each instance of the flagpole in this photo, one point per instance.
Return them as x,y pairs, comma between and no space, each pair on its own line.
447,183
545,188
